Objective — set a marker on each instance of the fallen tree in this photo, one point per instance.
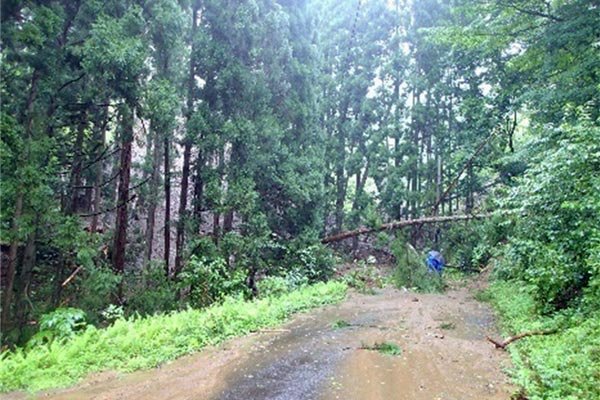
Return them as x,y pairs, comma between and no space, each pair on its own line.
400,224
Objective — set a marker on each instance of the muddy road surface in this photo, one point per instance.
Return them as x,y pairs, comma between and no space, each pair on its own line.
320,355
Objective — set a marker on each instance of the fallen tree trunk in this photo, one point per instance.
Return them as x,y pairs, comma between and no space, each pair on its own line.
401,224
502,345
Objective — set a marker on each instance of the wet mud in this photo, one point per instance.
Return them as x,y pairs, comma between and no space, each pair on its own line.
442,337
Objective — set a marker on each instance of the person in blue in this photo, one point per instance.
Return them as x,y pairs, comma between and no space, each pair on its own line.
435,262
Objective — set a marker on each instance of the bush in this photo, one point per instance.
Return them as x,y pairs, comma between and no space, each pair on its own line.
273,286
316,262
210,281
59,325
364,278
99,287
150,291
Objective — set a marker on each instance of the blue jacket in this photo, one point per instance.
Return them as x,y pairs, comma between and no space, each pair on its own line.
435,261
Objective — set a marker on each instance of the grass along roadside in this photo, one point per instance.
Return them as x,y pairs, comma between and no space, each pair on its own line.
141,343
561,366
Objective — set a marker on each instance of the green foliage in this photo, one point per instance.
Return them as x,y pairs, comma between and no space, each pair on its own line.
315,262
411,271
113,313
300,265
137,343
59,325
556,239
149,291
210,281
273,286
467,245
116,52
364,278
99,287
387,348
564,365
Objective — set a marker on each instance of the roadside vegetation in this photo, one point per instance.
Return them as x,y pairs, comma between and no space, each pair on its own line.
139,343
547,271
558,366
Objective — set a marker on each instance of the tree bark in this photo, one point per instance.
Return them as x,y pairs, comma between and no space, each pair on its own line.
198,191
76,168
120,240
187,148
12,262
182,206
153,198
502,345
18,212
29,258
167,188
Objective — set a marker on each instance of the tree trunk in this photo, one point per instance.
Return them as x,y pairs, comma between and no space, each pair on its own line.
153,195
401,224
438,177
120,241
75,181
340,196
228,221
469,203
18,212
187,147
100,124
12,261
216,213
198,192
182,206
167,187
29,258
341,181
361,179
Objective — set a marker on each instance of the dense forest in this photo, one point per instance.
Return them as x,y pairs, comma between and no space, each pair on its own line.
164,154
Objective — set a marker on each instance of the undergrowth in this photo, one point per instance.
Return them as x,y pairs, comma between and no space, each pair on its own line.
138,343
561,366
365,278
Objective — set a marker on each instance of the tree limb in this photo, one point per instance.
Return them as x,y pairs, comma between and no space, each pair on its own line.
502,345
100,157
529,11
64,85
70,278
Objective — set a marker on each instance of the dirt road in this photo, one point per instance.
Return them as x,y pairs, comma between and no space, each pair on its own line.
442,337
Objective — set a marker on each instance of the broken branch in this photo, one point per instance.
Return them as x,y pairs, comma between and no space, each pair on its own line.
70,278
502,345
